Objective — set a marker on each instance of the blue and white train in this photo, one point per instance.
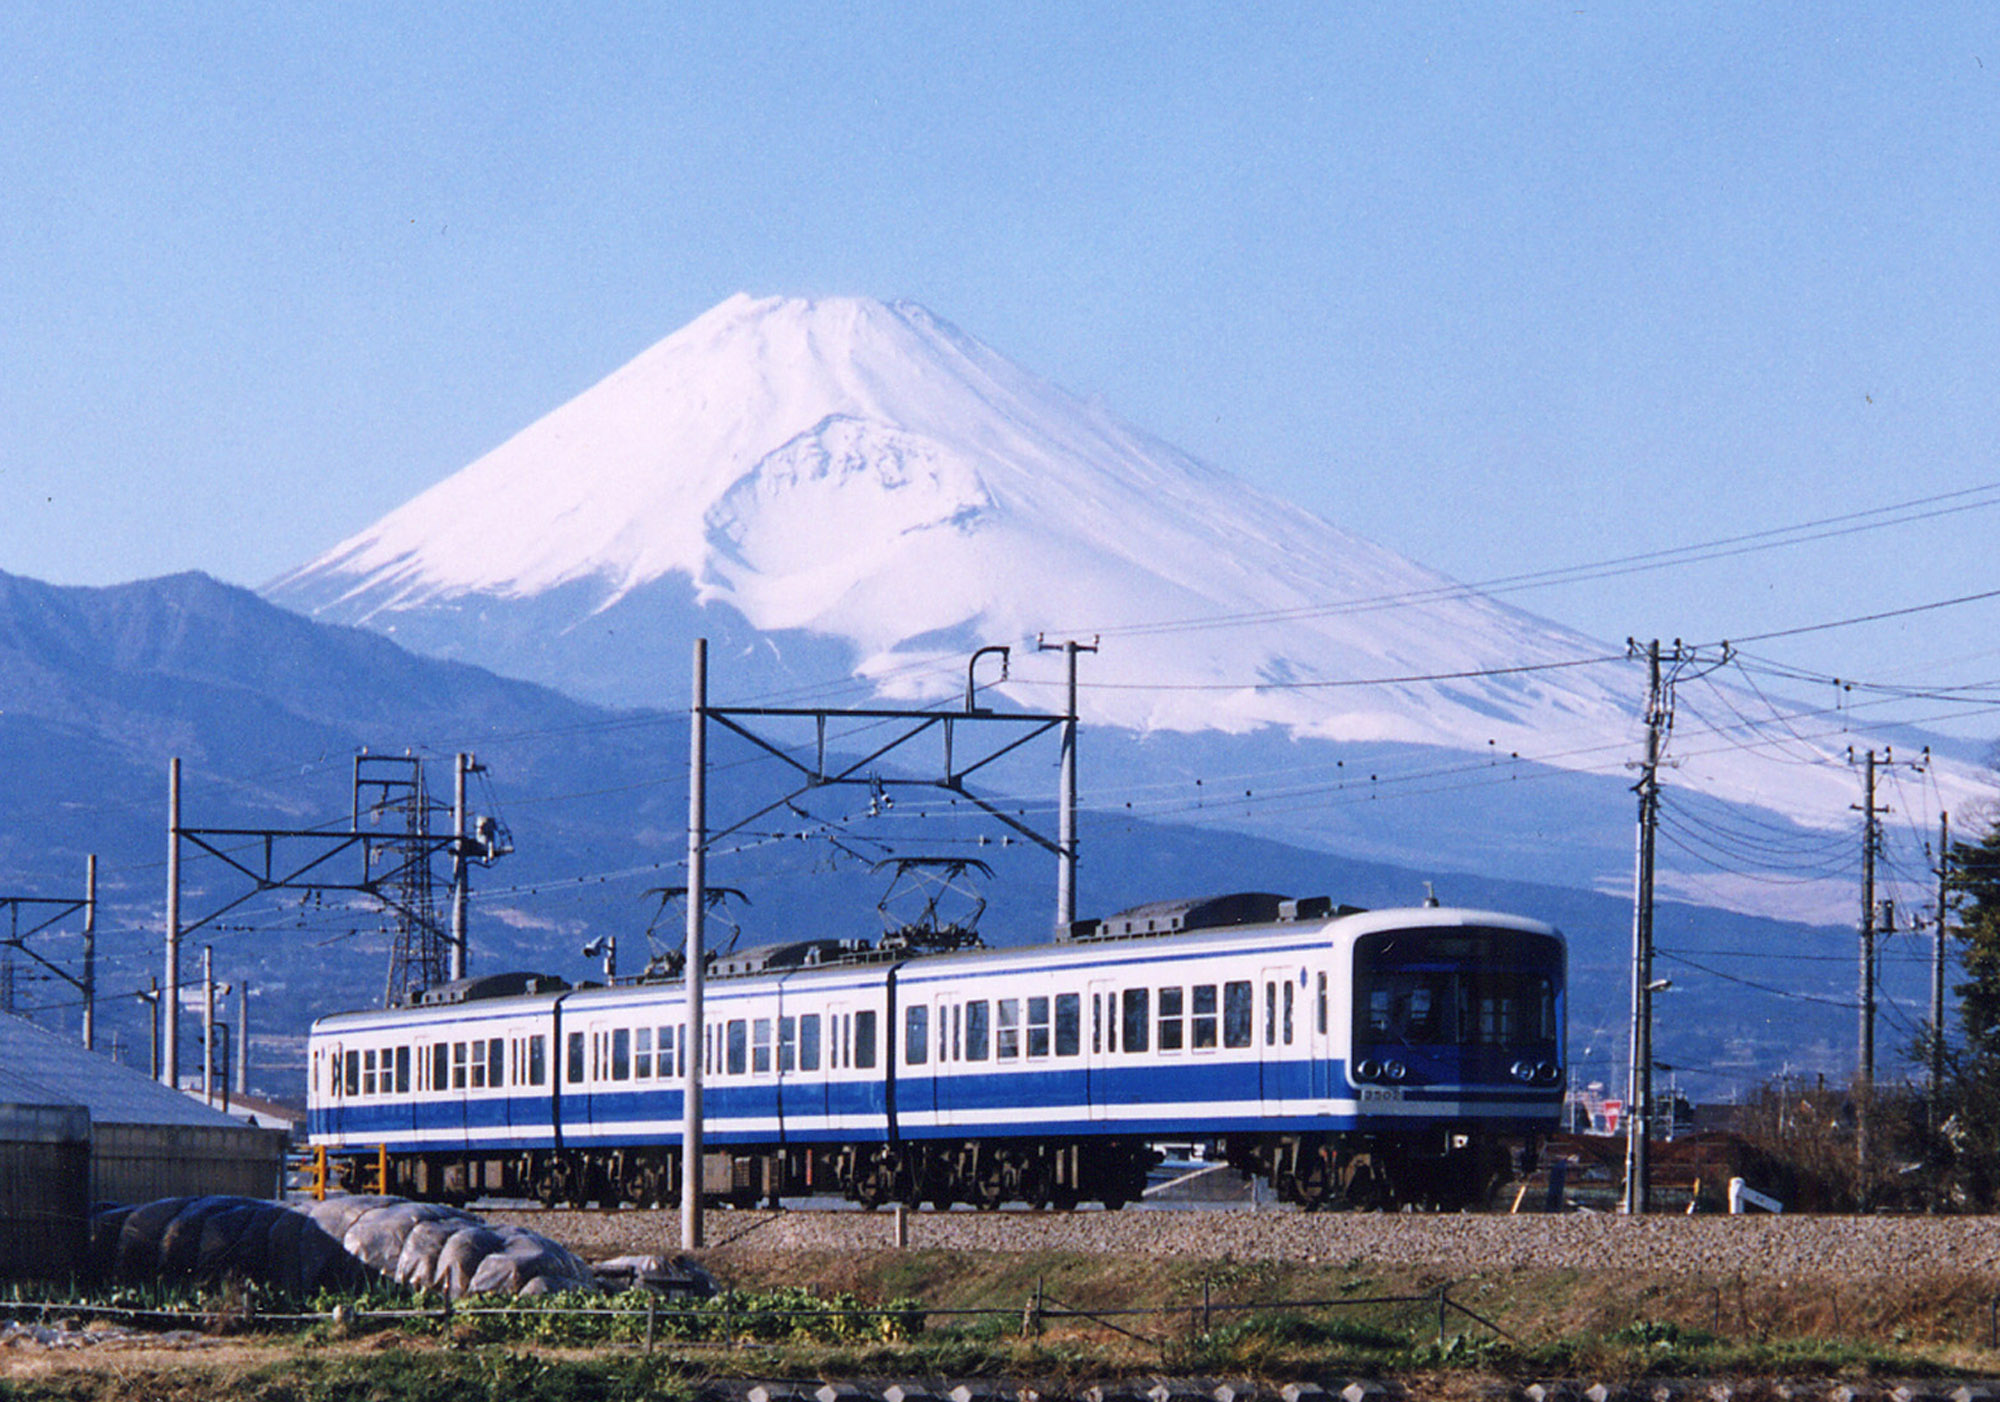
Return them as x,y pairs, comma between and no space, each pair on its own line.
1371,1057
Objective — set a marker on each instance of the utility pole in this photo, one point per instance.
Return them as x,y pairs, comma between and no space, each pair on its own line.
90,953
208,1024
1870,841
243,1038
1937,963
697,904
1639,1096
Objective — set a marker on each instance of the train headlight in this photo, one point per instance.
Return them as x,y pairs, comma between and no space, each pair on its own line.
1548,1073
1367,1069
1523,1071
1395,1070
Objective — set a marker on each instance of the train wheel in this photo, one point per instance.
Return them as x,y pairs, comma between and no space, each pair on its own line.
1364,1185
989,1191
1312,1180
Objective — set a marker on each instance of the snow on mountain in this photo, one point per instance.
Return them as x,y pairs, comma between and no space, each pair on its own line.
867,473
851,486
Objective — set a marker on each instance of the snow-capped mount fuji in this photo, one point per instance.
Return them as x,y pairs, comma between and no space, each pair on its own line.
861,484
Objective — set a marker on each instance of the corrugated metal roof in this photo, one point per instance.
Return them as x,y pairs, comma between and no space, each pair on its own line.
40,1068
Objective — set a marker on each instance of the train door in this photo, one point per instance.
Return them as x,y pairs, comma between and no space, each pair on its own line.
1317,1016
1277,1034
1103,1046
839,1017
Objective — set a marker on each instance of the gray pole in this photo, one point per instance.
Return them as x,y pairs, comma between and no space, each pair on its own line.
208,1024
460,870
1867,1029
1937,963
243,1038
1639,1095
152,997
170,1006
1066,804
90,952
697,876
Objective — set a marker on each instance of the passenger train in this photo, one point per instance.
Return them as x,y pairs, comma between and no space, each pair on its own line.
1368,1057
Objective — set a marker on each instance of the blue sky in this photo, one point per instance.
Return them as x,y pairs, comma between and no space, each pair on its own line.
1502,287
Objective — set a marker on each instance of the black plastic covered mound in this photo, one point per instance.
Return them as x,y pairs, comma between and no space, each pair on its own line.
209,1239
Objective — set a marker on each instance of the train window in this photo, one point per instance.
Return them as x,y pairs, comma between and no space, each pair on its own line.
809,1042
1270,1013
1007,1036
1238,1013
978,1016
1171,1026
1288,1012
538,1060
440,1066
864,1039
496,1052
1069,1020
1319,1006
708,1049
642,1053
1038,1027
760,1046
458,1066
788,1044
621,1054
402,1070
1096,1023
368,1071
916,1034
573,1059
1138,1013
944,1043
479,1065
739,1047
1201,1027
354,1073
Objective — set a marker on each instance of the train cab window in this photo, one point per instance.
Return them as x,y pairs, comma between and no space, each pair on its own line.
864,1039
1069,1024
760,1046
1171,1011
739,1047
916,1034
458,1065
1238,1014
621,1054
1288,1012
1319,1005
573,1059
1038,1027
1007,1036
402,1070
809,1041
354,1073
1138,1013
1201,1022
978,1020
788,1044
538,1060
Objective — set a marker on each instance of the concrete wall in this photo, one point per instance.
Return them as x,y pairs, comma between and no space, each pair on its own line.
44,1191
141,1163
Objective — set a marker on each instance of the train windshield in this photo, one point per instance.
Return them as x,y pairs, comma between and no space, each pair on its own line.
1460,987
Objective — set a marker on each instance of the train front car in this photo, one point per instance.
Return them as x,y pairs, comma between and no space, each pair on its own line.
1455,1052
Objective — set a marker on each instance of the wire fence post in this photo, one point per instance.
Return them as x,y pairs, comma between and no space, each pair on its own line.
1441,1307
651,1311
1206,1326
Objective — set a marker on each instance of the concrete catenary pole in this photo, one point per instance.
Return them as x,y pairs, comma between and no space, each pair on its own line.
697,877
90,952
169,1010
1639,1093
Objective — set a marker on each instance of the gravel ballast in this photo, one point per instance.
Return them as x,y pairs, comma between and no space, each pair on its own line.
1757,1247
